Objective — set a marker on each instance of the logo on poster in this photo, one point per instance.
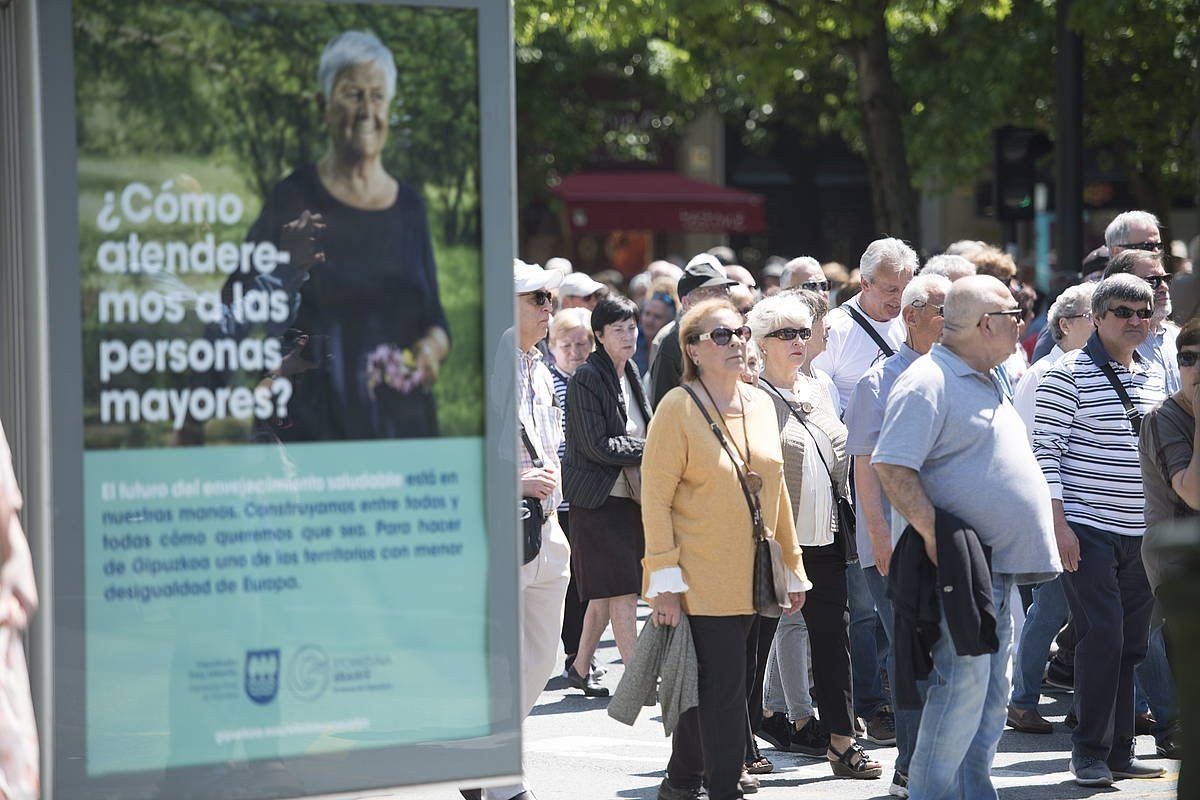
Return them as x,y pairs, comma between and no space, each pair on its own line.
262,675
308,675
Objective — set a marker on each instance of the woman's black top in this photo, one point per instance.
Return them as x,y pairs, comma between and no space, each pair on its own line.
597,443
376,292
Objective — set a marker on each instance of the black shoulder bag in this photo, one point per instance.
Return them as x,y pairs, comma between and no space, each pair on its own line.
533,515
870,329
844,519
770,580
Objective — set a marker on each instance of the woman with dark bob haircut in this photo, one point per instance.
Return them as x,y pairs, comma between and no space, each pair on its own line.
607,416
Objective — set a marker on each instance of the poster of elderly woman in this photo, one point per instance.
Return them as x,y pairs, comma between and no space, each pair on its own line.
297,185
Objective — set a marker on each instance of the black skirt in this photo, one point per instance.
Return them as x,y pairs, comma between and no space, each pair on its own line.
607,545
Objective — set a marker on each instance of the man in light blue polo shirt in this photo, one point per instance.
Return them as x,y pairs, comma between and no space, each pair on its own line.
921,309
947,424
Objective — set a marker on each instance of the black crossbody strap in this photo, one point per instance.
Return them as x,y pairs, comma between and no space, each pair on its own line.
533,454
870,329
1131,413
755,513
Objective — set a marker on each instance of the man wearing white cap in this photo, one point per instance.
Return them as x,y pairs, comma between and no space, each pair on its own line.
578,290
543,579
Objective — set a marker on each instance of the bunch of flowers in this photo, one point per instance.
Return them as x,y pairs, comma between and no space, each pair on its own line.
392,366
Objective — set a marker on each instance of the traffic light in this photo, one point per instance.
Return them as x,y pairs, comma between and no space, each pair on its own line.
1018,153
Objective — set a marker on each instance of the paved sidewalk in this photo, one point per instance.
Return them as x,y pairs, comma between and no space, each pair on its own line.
574,751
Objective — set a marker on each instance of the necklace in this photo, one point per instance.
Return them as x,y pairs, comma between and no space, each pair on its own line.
754,481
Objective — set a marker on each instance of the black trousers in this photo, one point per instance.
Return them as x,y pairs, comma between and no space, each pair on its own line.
710,741
573,607
758,647
1111,602
828,619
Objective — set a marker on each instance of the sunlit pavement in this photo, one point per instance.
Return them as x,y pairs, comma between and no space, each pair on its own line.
575,751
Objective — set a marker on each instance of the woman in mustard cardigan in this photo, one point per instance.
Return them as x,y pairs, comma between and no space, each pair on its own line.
700,540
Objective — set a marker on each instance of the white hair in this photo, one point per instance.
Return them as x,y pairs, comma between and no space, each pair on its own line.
896,253
776,311
787,280
1075,301
918,289
1117,232
951,266
350,49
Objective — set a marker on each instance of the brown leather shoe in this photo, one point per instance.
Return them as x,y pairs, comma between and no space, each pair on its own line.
1028,720
1142,724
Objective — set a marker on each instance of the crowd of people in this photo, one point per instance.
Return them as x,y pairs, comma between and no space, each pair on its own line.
862,500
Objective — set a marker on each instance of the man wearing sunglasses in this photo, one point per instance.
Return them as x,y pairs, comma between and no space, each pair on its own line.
702,278
805,273
544,579
1089,410
1159,345
952,446
922,306
1133,230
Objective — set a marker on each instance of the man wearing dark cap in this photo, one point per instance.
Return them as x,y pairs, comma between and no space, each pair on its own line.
703,278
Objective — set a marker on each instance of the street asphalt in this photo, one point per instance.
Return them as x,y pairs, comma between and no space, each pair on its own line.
575,751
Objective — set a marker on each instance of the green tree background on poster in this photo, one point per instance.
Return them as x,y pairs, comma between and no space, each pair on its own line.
224,94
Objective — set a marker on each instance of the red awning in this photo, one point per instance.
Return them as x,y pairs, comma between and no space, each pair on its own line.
658,201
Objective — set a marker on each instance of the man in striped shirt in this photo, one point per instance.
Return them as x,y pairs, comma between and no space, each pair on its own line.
1085,437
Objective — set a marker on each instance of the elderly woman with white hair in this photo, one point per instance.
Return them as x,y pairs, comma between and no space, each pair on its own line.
816,471
1070,324
366,333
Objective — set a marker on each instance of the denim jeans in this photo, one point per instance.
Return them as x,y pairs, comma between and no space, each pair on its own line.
1155,683
787,688
964,714
867,657
1045,619
908,720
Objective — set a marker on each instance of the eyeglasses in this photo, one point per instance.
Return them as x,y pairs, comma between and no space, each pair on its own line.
723,336
939,310
1188,358
1149,247
1125,312
815,286
1084,315
539,298
1156,281
1015,313
790,334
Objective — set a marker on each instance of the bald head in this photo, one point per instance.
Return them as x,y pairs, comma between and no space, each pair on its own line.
970,298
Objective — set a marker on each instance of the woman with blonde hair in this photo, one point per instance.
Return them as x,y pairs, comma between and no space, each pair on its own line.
705,500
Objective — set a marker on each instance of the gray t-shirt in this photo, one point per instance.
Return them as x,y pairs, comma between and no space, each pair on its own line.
864,418
954,426
1165,449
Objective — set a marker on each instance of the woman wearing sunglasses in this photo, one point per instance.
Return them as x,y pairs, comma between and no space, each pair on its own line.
697,492
816,470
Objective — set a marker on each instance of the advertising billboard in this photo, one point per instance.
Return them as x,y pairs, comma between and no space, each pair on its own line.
288,575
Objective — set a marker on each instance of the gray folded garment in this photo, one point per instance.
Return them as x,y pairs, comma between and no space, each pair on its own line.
666,653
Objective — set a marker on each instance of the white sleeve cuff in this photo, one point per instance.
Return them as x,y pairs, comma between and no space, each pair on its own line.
796,585
668,579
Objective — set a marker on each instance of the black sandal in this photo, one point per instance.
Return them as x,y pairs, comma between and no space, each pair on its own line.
854,763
